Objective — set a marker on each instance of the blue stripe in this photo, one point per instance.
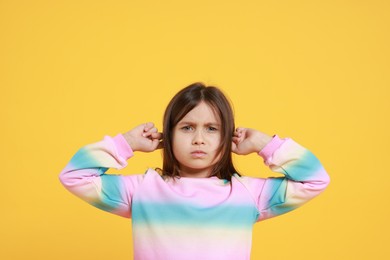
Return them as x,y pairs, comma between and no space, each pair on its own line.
185,214
111,195
277,191
304,168
83,159
277,200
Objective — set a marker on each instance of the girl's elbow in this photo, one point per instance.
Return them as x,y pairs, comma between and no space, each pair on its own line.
325,181
66,180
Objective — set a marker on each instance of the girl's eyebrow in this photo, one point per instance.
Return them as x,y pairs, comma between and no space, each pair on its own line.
194,123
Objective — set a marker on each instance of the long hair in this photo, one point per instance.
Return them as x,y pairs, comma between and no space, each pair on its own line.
182,103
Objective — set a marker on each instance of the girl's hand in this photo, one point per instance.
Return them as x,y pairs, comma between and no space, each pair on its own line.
144,138
246,141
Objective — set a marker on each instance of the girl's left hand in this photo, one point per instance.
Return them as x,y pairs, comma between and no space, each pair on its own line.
247,140
144,138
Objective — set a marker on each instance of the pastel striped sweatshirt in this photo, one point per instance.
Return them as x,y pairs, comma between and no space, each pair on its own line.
193,218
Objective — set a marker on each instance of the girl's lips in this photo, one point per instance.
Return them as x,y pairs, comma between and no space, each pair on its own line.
198,154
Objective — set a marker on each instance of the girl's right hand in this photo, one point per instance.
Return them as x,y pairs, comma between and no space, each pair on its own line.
247,140
144,138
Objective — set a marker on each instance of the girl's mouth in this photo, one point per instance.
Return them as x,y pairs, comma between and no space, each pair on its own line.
198,154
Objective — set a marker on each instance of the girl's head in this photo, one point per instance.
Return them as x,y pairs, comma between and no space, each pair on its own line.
198,128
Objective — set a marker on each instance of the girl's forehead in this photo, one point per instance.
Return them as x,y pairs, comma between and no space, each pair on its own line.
202,112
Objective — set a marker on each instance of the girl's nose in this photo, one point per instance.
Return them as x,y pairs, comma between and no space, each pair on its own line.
198,138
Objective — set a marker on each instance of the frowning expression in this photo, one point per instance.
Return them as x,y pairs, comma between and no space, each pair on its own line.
196,139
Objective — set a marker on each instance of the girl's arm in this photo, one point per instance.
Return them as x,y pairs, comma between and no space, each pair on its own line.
304,178
85,175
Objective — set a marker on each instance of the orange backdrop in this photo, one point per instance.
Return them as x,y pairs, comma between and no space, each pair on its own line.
74,71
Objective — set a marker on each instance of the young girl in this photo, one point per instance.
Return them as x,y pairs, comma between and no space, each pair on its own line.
197,206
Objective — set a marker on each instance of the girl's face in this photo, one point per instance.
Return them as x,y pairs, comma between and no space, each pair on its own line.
196,139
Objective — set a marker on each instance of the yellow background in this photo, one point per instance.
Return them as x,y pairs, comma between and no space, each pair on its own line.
73,71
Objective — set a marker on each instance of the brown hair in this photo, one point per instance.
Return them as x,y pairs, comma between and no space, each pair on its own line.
182,103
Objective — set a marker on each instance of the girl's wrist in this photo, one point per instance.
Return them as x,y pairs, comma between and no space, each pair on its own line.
123,147
130,140
262,141
270,148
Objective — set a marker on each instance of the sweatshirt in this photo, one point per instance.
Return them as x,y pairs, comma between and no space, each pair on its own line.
193,218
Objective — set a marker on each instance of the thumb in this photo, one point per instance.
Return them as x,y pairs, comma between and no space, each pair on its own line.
234,147
157,140
160,145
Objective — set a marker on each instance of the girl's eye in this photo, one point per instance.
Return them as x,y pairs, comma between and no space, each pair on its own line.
187,128
212,129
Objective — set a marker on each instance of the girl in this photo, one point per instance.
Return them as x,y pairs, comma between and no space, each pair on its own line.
197,206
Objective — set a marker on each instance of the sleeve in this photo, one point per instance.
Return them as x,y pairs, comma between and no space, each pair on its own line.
85,177
305,178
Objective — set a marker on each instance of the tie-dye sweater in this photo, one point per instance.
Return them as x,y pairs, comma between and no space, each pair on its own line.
193,218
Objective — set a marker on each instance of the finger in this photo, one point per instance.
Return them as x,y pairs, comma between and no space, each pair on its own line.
157,136
148,126
153,130
157,143
239,131
151,133
160,145
147,135
234,147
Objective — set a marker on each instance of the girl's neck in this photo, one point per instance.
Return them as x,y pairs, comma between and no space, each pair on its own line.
189,173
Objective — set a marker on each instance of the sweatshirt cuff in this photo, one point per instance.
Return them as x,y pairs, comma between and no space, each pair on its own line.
123,147
270,148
